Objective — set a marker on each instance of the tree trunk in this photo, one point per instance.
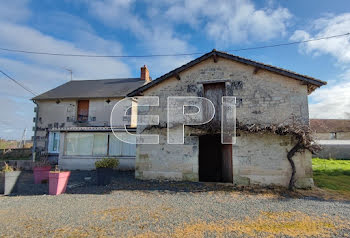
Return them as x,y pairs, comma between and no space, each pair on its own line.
290,155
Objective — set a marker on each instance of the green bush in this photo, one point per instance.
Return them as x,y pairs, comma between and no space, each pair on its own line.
7,168
107,163
42,162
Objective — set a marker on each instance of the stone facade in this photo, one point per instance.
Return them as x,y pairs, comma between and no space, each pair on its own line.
263,98
53,115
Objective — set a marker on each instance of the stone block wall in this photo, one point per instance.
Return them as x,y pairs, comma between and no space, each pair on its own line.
258,159
262,159
335,150
262,98
164,161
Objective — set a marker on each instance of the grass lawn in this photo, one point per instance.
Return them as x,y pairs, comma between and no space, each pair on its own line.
332,174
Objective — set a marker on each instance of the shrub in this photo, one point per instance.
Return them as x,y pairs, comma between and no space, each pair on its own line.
107,163
42,162
7,168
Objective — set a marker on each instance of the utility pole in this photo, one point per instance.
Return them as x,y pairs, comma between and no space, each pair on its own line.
23,139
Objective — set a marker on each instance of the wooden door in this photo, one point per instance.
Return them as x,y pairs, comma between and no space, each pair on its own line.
83,110
215,158
226,166
214,93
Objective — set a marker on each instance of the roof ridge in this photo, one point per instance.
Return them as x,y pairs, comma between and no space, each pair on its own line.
214,52
269,65
92,88
99,79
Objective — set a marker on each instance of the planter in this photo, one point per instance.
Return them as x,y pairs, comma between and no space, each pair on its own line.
41,174
11,179
104,176
58,182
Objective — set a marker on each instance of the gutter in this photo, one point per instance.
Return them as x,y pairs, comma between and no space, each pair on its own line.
36,124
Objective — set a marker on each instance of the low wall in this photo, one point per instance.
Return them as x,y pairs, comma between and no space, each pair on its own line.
336,149
20,164
18,153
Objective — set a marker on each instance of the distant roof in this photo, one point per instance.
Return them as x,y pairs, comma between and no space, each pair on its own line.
102,88
330,125
313,82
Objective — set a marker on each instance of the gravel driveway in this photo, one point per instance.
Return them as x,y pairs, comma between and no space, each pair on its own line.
129,208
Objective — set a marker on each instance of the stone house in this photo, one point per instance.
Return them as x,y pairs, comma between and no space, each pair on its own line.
265,95
72,123
333,135
331,129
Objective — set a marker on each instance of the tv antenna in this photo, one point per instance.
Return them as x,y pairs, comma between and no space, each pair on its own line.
71,73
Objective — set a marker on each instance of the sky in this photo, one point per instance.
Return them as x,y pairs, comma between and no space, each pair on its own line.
130,27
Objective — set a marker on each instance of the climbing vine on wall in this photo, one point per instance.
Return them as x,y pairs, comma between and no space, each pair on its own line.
300,132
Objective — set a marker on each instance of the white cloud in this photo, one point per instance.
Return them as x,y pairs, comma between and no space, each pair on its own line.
339,48
41,73
331,101
14,10
35,77
232,21
155,37
17,115
22,37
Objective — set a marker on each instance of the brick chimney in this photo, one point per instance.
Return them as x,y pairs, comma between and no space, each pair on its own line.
145,74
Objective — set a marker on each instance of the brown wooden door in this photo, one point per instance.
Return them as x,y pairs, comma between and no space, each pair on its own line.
215,159
226,166
214,93
83,110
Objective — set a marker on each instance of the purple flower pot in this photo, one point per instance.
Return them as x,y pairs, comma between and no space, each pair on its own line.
41,174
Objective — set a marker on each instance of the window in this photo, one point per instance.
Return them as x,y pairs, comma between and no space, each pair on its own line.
119,148
96,144
54,142
85,144
100,144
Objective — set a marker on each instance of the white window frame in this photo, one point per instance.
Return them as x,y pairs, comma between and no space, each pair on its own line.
52,136
124,150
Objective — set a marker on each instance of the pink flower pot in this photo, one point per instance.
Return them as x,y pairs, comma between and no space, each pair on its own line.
58,182
41,173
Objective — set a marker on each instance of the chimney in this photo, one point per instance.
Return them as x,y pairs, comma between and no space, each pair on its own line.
145,74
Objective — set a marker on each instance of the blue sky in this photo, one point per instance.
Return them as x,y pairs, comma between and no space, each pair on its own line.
129,27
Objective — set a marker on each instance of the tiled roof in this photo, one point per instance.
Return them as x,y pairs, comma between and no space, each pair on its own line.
330,125
102,88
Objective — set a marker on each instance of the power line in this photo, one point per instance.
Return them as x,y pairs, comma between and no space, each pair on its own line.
14,80
165,55
292,43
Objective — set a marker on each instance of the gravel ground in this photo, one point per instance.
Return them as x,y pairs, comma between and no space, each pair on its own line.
130,207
